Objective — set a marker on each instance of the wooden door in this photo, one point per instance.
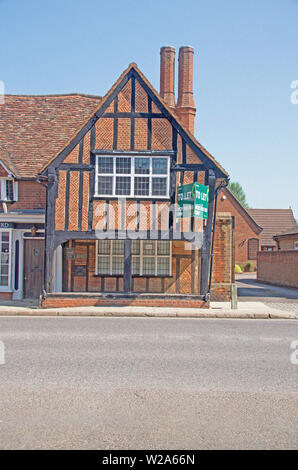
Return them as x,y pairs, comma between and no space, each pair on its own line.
33,267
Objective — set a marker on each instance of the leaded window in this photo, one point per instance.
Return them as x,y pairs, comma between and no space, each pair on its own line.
132,176
149,257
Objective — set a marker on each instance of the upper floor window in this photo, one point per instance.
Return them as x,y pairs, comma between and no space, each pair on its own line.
132,176
8,190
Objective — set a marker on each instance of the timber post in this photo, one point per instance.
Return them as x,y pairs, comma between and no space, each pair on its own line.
127,280
206,248
50,228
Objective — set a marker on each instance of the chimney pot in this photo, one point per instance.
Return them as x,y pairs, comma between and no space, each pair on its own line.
167,74
185,105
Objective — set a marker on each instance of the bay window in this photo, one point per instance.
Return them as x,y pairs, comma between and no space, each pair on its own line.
132,176
149,257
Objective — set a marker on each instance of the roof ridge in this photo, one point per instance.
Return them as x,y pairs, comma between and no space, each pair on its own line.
273,209
54,95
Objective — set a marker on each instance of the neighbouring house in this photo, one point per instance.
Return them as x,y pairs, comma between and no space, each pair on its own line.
272,221
32,129
246,231
90,191
288,239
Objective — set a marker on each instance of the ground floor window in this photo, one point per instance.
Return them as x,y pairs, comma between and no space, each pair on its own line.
149,257
5,258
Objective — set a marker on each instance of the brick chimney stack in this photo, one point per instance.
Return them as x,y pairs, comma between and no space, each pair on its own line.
167,74
185,108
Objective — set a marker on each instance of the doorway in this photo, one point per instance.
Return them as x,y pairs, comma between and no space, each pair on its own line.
33,267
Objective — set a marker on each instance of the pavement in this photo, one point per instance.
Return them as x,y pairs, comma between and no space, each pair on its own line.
144,383
255,301
281,298
255,310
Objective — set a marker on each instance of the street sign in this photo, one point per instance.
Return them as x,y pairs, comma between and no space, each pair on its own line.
193,201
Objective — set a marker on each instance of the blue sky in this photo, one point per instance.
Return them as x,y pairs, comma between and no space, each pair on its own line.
246,57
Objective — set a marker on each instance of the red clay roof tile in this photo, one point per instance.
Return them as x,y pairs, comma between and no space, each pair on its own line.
34,128
272,221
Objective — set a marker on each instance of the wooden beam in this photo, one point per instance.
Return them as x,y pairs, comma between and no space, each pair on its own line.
50,228
162,153
127,280
205,271
189,167
62,236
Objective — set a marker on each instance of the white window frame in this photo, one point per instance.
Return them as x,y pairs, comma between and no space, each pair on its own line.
8,286
155,256
3,196
141,256
132,175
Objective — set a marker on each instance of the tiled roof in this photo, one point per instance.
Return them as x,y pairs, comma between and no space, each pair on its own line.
272,221
34,128
291,231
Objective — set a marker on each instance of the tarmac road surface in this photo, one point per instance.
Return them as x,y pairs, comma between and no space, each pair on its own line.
143,383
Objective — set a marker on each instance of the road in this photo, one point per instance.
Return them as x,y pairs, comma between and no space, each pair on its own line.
123,383
282,298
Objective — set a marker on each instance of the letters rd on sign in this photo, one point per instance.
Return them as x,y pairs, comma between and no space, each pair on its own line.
193,201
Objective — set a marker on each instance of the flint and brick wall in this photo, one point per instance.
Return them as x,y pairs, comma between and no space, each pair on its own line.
278,268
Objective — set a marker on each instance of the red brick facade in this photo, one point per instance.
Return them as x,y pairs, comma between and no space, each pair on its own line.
31,195
223,266
245,229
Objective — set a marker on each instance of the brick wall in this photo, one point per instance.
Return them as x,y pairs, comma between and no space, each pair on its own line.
244,228
31,195
222,273
6,295
278,267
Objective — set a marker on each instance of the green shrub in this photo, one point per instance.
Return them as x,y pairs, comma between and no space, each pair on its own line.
238,269
248,267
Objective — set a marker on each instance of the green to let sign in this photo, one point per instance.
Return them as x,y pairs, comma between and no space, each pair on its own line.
193,201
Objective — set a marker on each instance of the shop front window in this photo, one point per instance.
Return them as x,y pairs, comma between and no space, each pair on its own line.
5,258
